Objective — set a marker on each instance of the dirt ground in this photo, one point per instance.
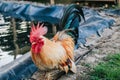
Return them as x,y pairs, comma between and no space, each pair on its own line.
108,43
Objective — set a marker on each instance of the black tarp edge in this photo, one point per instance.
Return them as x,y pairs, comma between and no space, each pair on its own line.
19,69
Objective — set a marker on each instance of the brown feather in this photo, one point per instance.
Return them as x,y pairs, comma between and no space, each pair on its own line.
54,54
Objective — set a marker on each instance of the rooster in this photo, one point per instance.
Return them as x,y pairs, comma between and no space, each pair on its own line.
57,53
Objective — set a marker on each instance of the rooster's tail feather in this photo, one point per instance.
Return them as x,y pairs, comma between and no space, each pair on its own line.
70,14
70,20
73,67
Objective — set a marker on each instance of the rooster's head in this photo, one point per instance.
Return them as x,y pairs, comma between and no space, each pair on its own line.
36,37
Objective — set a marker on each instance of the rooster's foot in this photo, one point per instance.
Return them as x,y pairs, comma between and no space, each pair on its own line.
48,76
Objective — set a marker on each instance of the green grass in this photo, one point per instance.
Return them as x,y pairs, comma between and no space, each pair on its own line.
108,70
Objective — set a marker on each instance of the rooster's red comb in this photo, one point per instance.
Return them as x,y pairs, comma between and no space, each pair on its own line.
38,30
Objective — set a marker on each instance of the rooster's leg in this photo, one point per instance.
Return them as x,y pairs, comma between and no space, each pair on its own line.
48,76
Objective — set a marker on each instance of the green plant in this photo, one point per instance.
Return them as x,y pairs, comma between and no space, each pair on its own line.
108,70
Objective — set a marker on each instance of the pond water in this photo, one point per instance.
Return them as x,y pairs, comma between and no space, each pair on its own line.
6,38
6,58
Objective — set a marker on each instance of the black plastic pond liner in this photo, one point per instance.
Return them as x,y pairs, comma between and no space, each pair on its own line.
94,24
113,11
51,14
20,69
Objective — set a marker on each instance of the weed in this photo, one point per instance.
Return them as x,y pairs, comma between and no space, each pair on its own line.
108,70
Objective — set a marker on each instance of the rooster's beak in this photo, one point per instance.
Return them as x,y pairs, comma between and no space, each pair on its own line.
33,43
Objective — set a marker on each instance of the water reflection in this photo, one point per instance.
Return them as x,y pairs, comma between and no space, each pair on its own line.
6,33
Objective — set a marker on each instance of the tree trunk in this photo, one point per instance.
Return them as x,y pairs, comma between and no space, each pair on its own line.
52,2
13,24
54,30
118,3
